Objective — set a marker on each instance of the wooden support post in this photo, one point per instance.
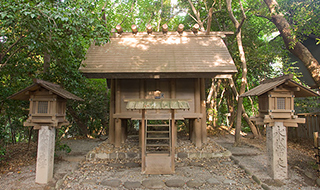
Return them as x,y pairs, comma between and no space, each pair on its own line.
316,147
197,123
45,155
118,110
124,130
142,96
204,112
111,112
191,131
174,139
143,142
118,134
173,96
197,132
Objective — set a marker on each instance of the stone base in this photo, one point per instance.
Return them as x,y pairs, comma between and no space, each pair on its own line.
277,151
45,155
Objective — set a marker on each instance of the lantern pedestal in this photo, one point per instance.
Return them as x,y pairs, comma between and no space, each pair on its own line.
45,156
277,150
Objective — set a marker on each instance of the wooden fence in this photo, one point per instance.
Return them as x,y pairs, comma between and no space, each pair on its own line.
305,130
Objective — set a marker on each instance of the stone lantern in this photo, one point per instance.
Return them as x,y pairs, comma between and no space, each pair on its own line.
47,111
276,111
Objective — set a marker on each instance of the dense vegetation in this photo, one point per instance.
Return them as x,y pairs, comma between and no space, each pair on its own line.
48,40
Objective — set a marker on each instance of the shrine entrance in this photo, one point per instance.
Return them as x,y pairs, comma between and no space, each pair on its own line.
158,133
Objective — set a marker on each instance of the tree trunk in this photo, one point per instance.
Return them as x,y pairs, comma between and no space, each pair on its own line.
46,62
244,68
81,125
294,46
246,117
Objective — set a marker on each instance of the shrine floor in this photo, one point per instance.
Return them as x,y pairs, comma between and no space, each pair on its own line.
245,169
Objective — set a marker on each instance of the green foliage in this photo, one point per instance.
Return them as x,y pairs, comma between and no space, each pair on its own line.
62,147
64,31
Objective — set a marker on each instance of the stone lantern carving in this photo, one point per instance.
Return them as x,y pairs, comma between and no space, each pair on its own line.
47,111
276,110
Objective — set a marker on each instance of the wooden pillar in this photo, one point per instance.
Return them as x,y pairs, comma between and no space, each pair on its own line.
190,123
118,110
174,139
142,96
204,112
124,130
118,133
197,105
45,155
173,96
111,112
143,142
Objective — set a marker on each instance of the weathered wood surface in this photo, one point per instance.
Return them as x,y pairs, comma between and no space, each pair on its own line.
152,56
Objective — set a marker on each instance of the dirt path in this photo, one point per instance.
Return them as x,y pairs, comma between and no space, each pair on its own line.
72,172
24,177
252,156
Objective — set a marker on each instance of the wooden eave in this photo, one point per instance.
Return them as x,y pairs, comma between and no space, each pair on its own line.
160,56
299,90
54,88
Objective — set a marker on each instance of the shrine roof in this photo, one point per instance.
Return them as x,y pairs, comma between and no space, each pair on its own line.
286,80
160,56
54,88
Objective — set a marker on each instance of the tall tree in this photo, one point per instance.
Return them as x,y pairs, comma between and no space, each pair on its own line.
291,42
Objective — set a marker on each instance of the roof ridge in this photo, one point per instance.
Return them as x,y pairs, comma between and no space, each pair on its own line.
289,76
39,81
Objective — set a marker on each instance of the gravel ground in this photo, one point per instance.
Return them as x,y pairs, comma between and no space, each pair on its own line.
216,173
246,169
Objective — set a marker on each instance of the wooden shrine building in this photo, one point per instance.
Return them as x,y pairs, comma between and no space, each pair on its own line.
158,78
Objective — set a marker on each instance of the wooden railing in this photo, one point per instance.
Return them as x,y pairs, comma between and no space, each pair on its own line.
305,130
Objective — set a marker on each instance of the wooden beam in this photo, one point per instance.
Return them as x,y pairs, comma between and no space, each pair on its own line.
143,142
149,29
118,133
118,110
111,113
180,28
203,111
134,29
174,139
165,29
119,29
124,130
197,125
142,96
195,28
173,96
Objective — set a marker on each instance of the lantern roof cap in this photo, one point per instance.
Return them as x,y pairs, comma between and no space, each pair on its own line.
54,88
286,80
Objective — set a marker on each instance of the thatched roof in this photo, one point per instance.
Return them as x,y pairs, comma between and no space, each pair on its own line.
160,56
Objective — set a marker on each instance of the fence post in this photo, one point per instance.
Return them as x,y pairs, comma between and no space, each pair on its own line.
316,147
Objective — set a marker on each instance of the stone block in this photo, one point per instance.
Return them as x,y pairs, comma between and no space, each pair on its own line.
175,183
45,155
111,183
132,155
277,151
195,183
153,184
182,155
132,184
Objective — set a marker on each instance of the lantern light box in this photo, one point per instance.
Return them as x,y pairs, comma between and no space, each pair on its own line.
47,104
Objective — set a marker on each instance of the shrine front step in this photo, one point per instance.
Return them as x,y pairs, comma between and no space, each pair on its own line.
122,155
158,164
